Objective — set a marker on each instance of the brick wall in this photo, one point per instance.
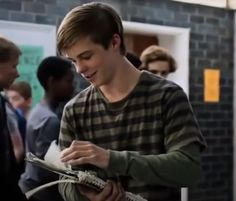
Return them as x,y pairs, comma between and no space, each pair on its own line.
211,46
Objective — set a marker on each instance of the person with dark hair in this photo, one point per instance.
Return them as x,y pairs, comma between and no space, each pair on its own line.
136,130
9,59
158,60
56,77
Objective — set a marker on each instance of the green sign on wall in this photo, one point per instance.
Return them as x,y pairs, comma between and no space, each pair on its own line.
29,61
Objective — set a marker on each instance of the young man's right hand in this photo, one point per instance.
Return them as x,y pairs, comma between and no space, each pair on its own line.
85,152
112,192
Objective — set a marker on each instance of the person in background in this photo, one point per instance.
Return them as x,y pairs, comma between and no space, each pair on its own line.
9,59
16,137
19,95
158,60
134,129
17,141
56,77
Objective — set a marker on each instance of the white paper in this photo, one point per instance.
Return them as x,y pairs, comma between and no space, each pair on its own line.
53,156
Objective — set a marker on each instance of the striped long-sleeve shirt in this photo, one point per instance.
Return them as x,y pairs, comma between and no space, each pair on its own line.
152,135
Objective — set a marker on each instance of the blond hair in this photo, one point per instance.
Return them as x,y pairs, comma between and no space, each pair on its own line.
157,53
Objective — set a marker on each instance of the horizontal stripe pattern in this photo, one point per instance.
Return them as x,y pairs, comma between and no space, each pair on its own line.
155,117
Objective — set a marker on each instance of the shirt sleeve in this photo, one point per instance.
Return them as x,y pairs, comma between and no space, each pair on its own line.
180,165
177,168
180,124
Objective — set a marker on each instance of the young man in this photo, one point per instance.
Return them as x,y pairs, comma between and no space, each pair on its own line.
158,60
9,59
135,129
56,77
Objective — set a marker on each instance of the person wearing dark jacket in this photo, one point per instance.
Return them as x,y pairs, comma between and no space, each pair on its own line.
9,59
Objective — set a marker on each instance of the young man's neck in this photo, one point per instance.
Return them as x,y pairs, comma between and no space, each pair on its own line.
123,83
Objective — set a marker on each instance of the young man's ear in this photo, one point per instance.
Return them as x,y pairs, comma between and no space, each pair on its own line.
115,42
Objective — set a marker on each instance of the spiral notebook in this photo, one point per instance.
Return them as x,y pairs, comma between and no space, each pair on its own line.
52,163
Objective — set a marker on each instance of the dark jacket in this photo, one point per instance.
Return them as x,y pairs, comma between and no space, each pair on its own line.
8,168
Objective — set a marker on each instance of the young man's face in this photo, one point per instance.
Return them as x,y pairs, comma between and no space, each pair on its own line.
160,68
8,72
96,64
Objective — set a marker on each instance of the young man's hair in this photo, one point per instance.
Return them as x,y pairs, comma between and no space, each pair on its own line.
8,50
157,53
133,59
23,88
97,21
52,66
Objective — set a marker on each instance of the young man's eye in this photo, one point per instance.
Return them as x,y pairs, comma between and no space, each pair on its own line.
87,57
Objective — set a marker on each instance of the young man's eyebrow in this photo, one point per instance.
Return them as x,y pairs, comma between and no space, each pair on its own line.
84,53
80,55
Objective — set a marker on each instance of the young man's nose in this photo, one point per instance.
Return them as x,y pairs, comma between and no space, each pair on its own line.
80,67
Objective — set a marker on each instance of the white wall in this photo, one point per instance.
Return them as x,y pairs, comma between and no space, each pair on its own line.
30,34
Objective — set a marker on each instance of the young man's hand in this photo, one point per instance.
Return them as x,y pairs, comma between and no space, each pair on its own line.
84,152
112,192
